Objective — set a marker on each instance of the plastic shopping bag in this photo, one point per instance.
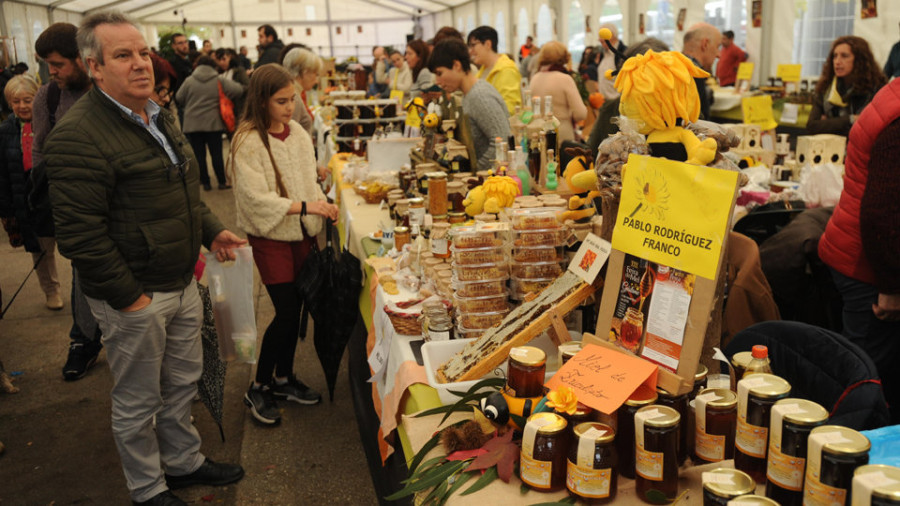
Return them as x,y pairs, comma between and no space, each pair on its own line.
231,291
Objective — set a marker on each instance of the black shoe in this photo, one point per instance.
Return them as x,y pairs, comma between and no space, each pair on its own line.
209,473
295,390
82,356
166,498
224,186
262,405
207,187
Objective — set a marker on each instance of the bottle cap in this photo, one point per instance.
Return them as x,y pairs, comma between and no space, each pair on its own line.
760,351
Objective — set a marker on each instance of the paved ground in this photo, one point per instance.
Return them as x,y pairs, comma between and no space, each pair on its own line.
59,449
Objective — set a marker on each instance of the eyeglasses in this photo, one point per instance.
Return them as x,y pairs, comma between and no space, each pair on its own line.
162,92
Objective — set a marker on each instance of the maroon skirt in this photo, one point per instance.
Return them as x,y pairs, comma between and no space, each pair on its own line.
280,261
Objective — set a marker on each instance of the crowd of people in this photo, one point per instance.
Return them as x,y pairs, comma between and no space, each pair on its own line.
122,176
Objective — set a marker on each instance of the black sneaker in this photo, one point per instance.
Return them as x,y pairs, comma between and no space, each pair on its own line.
82,356
295,390
165,498
262,405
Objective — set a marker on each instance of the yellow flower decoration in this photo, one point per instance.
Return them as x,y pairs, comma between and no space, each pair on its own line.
563,399
652,194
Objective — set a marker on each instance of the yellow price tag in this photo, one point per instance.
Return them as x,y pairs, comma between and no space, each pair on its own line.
397,95
745,71
758,110
789,72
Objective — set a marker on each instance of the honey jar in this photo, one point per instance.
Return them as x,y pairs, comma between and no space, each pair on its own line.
723,484
792,421
455,218
716,416
876,484
739,362
456,193
756,395
834,453
416,212
525,373
544,451
440,240
699,381
569,350
700,384
591,467
753,500
401,237
678,403
582,414
437,193
643,396
656,453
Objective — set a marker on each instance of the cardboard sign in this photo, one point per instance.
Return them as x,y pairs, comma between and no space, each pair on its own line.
603,378
789,72
745,71
758,110
662,217
590,258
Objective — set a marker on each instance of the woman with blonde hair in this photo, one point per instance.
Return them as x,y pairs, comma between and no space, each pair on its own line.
16,138
280,207
554,80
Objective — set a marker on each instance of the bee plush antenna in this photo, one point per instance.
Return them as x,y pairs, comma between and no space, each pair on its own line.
605,35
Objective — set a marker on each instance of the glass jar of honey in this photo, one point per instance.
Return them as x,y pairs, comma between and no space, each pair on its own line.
756,395
834,453
437,193
792,421
754,500
416,212
876,484
456,218
656,453
723,484
715,412
544,451
581,415
525,373
739,363
700,383
591,467
456,193
440,240
643,396
569,350
678,403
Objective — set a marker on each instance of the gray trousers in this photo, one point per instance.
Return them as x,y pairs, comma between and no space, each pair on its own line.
156,358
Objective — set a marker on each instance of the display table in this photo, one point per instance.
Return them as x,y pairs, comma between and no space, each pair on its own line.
727,108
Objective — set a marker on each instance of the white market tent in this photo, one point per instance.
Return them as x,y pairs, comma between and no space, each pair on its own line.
791,31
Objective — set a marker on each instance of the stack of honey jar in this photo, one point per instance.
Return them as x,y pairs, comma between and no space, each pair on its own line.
782,442
480,269
538,249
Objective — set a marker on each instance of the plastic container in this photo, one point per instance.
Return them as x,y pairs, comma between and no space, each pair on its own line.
534,218
468,237
531,270
545,237
476,272
481,288
539,254
481,304
474,256
484,320
760,361
519,287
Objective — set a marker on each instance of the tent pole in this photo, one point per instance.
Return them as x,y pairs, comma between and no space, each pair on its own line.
330,36
234,37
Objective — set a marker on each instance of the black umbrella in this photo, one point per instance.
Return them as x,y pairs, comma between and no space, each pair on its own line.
329,285
211,387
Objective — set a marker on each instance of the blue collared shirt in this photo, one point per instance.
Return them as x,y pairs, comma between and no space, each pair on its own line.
152,110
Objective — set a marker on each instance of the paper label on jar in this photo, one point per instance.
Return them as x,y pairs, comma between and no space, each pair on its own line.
816,493
776,420
709,447
587,445
440,247
437,335
784,470
744,387
751,439
865,484
530,433
639,418
648,464
416,216
814,449
700,408
588,482
720,478
536,473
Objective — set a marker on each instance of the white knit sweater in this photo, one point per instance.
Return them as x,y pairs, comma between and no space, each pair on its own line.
260,210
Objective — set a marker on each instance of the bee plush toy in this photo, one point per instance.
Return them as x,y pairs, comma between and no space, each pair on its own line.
582,180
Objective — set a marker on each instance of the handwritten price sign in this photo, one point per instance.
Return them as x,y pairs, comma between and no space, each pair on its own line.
603,378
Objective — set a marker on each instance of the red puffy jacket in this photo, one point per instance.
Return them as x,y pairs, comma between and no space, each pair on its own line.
841,245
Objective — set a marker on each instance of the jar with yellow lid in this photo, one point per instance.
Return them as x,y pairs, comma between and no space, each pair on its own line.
545,442
834,453
739,363
699,380
455,218
791,422
753,500
756,395
437,193
569,350
440,239
591,474
876,484
525,372
723,484
416,212
700,384
678,403
715,411
643,396
656,453
581,415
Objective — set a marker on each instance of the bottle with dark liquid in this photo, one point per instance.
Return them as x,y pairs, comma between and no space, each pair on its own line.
545,444
656,453
643,396
715,413
756,395
680,404
591,468
792,421
833,454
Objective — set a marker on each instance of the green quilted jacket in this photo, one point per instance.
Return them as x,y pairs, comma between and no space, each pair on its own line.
129,220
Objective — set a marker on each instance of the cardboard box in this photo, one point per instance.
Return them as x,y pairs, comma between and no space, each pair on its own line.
821,148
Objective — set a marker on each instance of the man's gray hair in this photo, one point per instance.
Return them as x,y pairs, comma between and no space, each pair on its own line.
88,43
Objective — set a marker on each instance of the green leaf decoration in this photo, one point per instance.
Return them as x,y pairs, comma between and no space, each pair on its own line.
436,493
461,480
523,489
486,478
429,479
656,497
427,447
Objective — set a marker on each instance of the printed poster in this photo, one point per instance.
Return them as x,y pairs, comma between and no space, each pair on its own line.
651,311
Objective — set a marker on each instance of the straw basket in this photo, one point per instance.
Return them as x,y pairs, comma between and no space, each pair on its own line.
405,324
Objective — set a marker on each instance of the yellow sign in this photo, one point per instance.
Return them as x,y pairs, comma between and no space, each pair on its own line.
789,72
745,71
397,95
758,110
675,214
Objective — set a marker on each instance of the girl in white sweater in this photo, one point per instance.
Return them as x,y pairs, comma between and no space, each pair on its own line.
280,207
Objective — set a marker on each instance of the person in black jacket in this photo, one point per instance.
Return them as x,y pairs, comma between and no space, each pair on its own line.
270,45
181,60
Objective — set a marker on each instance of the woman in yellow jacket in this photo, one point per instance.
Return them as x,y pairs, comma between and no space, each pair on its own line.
497,69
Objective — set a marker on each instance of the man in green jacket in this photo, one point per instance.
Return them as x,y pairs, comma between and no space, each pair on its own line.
126,204
497,69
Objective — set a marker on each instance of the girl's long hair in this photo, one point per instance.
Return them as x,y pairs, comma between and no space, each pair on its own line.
421,50
265,82
866,75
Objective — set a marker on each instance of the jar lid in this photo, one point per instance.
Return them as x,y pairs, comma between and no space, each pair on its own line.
759,351
849,443
663,393
880,481
726,398
570,348
599,432
753,500
528,355
416,200
666,417
436,175
643,396
774,387
549,423
456,215
741,359
806,413
728,483
456,185
440,221
582,410
401,230
701,374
